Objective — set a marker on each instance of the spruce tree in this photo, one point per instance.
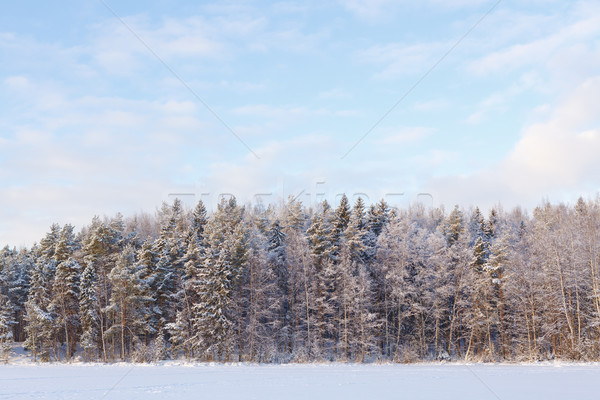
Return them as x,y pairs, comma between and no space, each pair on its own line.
181,331
6,327
129,303
100,249
278,263
15,269
169,268
89,312
198,222
41,324
65,302
146,269
225,258
322,240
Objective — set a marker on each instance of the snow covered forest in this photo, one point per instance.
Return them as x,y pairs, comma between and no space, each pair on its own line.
286,283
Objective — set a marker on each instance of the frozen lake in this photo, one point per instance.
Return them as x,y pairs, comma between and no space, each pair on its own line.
300,381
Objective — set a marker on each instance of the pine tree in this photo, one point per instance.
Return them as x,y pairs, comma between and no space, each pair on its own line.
278,263
198,223
341,219
164,281
65,245
65,302
89,312
379,216
47,245
440,292
6,327
261,297
454,226
460,261
294,216
182,335
397,259
14,282
169,268
480,318
41,324
181,331
128,303
302,298
356,233
321,239
146,268
495,268
225,256
101,247
480,242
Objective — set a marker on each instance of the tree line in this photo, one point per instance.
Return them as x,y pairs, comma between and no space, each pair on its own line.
352,282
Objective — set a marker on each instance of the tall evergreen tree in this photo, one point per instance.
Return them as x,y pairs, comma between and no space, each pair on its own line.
89,308
278,263
65,302
6,327
225,258
128,303
321,238
41,324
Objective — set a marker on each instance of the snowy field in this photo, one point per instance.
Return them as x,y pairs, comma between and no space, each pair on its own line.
312,381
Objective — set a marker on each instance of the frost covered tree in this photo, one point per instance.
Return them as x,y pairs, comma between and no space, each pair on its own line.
198,223
260,308
324,248
15,269
129,302
65,302
6,327
101,247
65,245
41,323
182,333
277,262
293,282
169,268
214,312
89,310
146,270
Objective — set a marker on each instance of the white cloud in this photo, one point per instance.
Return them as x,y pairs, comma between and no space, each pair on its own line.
404,135
368,9
95,155
335,93
533,52
17,82
556,158
378,10
288,113
499,102
401,59
432,105
120,52
268,111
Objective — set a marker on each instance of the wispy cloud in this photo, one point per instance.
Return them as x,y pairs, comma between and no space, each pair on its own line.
368,9
500,101
399,59
555,158
529,53
335,93
404,135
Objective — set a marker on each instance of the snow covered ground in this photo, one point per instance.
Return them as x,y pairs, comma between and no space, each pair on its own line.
299,381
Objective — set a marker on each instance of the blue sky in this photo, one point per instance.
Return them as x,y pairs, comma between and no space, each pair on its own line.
91,122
